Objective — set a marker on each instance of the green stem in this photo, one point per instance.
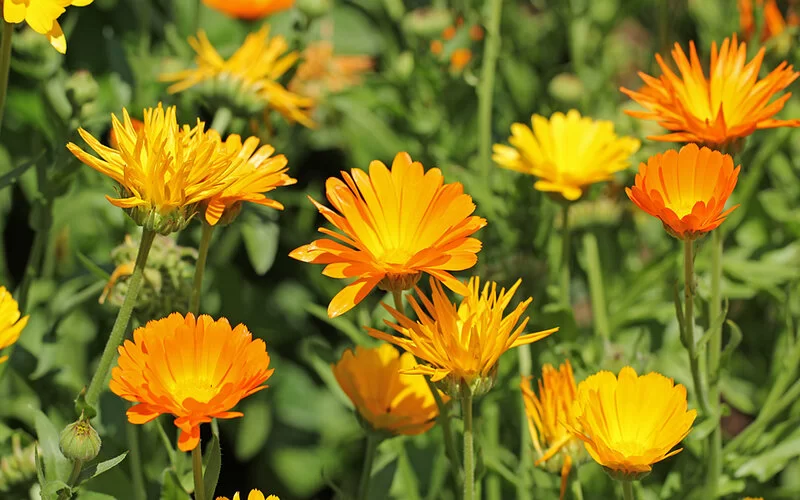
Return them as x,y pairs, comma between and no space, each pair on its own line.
596,289
565,257
525,450
222,119
449,443
135,460
366,472
688,316
197,469
200,268
486,87
77,465
398,301
98,382
627,490
469,452
5,66
714,354
491,422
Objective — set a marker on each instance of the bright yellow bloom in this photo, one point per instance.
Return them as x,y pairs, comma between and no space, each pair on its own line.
249,9
567,152
462,342
321,71
196,370
732,103
251,75
398,224
163,170
753,498
385,397
630,423
253,495
42,16
10,323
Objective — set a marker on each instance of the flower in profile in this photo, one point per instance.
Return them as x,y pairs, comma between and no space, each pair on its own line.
323,72
249,9
687,190
395,224
196,370
631,422
10,323
386,398
730,104
164,171
42,16
253,495
547,413
567,152
774,22
461,342
248,80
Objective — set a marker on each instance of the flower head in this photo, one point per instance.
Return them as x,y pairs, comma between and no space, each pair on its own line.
10,323
461,342
386,398
248,80
42,16
249,9
567,152
253,495
321,71
774,22
730,104
396,224
193,369
631,422
687,190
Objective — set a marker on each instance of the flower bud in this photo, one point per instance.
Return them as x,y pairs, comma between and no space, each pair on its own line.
314,8
79,441
427,23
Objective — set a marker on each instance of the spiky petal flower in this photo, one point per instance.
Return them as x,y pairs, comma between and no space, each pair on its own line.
196,370
774,22
323,72
253,495
730,104
249,9
395,225
10,323
42,16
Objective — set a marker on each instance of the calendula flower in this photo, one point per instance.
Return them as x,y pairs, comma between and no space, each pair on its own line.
386,399
462,342
42,16
322,72
753,498
138,125
249,9
258,172
253,495
395,225
10,323
631,422
567,152
164,171
774,22
248,80
459,59
547,413
196,370
687,190
731,104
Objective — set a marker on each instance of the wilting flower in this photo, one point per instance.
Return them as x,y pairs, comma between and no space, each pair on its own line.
163,170
630,423
42,16
462,342
249,9
547,413
386,398
321,71
253,495
248,79
774,22
731,104
687,190
10,323
567,152
196,370
397,224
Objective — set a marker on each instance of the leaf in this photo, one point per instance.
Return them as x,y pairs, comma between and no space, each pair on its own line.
11,177
261,243
93,268
55,466
99,468
254,430
171,488
213,464
764,466
93,495
356,335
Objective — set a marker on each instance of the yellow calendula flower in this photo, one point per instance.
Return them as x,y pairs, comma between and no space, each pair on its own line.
323,72
10,323
248,80
386,398
461,342
42,16
753,498
631,422
253,495
567,152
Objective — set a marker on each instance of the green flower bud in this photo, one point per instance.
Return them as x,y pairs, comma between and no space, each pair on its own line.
427,23
567,88
314,8
79,441
82,89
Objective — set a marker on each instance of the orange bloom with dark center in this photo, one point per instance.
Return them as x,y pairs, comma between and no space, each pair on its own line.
687,190
393,226
194,369
730,104
249,9
774,22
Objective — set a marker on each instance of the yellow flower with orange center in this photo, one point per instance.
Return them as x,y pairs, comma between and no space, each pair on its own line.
687,190
321,71
10,323
196,370
249,9
253,495
631,422
567,153
730,104
462,342
395,224
249,78
385,397
42,16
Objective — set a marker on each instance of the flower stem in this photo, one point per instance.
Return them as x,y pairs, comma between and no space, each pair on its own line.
526,452
449,443
469,459
714,354
565,257
5,65
369,457
398,301
121,323
222,119
627,490
197,469
688,316
135,458
596,289
200,268
486,87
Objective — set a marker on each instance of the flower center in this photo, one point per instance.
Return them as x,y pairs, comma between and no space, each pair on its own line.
197,388
395,256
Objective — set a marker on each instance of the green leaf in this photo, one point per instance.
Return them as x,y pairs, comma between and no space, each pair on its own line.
171,488
11,177
97,469
261,243
254,430
213,464
93,268
356,335
54,465
764,466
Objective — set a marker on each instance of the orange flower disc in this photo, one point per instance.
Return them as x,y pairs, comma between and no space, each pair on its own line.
249,9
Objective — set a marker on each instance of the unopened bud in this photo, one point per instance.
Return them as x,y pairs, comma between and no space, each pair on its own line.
79,441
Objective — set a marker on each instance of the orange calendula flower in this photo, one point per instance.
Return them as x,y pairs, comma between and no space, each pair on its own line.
459,59
395,225
731,104
687,190
631,422
10,323
196,370
322,72
567,152
249,9
42,16
386,398
462,342
774,22
253,495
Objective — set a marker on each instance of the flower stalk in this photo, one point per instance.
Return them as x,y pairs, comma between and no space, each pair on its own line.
714,354
565,254
688,327
200,267
469,459
5,65
486,86
373,440
627,490
197,469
